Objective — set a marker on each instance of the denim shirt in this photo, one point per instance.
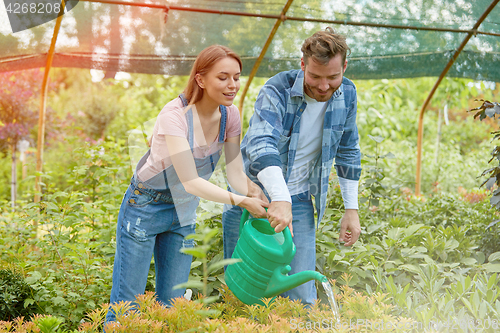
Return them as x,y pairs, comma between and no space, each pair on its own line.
273,133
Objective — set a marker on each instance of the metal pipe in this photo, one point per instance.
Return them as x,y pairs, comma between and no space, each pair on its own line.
427,101
388,26
43,106
257,63
184,9
285,18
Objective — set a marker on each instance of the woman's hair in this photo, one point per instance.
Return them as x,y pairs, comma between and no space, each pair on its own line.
324,45
202,65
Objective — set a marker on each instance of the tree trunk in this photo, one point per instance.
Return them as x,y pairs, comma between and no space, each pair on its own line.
13,183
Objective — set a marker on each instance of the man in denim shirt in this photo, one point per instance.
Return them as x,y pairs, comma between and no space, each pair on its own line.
303,120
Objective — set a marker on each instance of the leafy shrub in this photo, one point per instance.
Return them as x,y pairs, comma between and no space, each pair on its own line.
14,293
416,250
230,315
71,232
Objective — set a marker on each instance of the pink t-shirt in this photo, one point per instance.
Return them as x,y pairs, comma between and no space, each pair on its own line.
172,121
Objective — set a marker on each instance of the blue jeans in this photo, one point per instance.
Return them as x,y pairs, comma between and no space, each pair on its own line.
148,225
304,239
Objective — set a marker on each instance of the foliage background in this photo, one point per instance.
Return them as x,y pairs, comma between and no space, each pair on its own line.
415,250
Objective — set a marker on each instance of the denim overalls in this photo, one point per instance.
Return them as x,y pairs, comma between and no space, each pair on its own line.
154,217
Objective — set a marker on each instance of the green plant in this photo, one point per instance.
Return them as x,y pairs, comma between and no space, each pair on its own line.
15,296
491,110
72,237
49,324
205,237
414,250
372,186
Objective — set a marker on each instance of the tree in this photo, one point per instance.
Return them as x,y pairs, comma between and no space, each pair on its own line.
18,113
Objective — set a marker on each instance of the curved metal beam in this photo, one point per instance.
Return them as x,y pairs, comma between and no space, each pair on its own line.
427,101
256,66
43,106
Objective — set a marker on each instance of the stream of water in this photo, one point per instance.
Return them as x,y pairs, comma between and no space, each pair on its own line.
331,298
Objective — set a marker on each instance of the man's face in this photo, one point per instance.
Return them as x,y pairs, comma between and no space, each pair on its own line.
321,81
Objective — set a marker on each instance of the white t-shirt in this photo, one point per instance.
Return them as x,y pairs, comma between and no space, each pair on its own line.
309,145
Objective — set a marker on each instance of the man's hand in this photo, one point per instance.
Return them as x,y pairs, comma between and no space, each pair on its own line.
349,227
279,215
254,191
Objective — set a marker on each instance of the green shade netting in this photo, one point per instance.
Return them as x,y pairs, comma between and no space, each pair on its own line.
118,38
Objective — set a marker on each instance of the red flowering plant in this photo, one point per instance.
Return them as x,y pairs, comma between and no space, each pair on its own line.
18,113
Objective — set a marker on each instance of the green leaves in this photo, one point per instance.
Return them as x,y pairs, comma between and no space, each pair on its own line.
35,276
492,268
422,254
494,257
197,252
219,264
49,324
203,275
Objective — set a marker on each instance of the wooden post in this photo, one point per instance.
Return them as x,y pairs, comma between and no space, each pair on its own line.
438,136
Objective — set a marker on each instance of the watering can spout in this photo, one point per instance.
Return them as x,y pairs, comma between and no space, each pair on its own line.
281,281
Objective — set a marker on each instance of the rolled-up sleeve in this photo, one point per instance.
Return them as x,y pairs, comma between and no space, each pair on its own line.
348,158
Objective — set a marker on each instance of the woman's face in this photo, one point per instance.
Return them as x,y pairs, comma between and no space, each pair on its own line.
221,82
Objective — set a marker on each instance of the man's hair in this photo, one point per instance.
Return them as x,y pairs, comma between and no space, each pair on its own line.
324,45
202,65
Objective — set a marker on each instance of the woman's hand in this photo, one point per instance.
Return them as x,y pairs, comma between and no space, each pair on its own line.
255,206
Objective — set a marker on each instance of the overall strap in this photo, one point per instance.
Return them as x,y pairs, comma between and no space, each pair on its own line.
189,119
223,121
184,100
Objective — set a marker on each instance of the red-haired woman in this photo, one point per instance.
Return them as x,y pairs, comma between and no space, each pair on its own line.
159,207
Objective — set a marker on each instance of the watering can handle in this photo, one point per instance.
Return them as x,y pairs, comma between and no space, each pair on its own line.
244,218
286,232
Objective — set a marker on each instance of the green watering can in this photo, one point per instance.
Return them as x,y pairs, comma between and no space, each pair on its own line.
265,262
